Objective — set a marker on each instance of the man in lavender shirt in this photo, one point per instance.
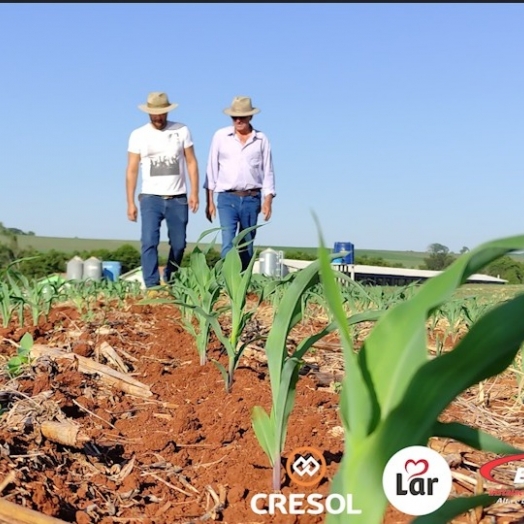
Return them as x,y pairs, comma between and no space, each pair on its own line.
240,171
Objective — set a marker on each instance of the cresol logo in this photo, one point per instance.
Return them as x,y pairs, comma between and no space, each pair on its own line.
306,467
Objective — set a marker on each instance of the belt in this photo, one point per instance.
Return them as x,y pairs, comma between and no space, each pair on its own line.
169,197
246,192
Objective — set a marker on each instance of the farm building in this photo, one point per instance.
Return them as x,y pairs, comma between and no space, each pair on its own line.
376,275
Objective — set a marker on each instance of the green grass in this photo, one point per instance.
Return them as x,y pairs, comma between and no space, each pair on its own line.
490,292
68,245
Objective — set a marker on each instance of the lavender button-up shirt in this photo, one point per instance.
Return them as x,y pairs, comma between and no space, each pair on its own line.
233,165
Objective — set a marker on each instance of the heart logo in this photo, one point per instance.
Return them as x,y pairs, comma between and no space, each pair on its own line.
424,466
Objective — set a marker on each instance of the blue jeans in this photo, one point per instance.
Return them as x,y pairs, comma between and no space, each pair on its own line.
237,213
154,209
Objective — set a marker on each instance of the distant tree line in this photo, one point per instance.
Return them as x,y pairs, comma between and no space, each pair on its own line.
6,231
440,257
38,264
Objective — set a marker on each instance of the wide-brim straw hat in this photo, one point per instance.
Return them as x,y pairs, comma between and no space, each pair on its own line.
241,106
157,104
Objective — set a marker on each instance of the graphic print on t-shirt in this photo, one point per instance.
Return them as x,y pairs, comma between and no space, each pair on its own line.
165,166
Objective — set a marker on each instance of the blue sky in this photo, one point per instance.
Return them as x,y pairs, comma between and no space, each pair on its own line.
399,125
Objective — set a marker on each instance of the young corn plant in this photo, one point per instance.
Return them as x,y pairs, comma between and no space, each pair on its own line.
472,310
203,295
452,312
271,429
393,393
179,288
236,285
196,290
16,364
6,304
38,298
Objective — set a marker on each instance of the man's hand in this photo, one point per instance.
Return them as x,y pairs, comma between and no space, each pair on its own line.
211,211
266,207
132,212
193,201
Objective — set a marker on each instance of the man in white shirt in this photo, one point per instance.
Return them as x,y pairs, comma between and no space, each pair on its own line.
163,150
240,171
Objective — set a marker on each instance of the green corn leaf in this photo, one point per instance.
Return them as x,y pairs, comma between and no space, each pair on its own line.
223,372
26,342
454,508
473,437
200,269
208,232
404,326
238,241
264,428
411,391
486,350
289,313
286,399
231,273
217,328
14,365
359,402
239,317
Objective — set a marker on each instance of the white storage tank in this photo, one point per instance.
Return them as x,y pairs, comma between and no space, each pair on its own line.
93,269
271,263
75,269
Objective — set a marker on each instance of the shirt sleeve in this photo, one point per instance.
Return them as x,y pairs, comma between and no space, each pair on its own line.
187,138
134,143
268,185
212,165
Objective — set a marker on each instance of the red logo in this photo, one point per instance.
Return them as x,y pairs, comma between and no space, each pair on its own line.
486,469
424,466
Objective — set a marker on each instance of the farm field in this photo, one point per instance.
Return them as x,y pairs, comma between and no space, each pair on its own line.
164,442
407,258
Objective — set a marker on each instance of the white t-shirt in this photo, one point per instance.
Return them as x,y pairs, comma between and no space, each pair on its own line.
162,160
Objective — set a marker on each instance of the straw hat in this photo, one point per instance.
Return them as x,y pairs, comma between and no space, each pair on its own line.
157,104
241,106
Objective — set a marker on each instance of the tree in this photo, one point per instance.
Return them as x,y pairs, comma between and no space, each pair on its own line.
439,257
464,249
128,256
507,268
43,264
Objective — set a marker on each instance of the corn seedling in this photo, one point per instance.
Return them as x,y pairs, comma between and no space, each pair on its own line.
472,310
6,304
204,292
270,430
393,393
452,312
236,284
16,364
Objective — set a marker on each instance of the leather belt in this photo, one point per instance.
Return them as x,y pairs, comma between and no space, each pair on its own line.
243,193
169,197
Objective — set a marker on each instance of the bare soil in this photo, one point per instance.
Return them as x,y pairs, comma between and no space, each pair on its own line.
188,453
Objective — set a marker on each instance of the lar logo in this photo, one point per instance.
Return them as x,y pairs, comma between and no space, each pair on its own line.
306,466
417,480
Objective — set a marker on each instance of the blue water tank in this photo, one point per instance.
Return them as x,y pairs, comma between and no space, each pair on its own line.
111,269
349,252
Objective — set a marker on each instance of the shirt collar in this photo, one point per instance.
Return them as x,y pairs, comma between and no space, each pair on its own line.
231,132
